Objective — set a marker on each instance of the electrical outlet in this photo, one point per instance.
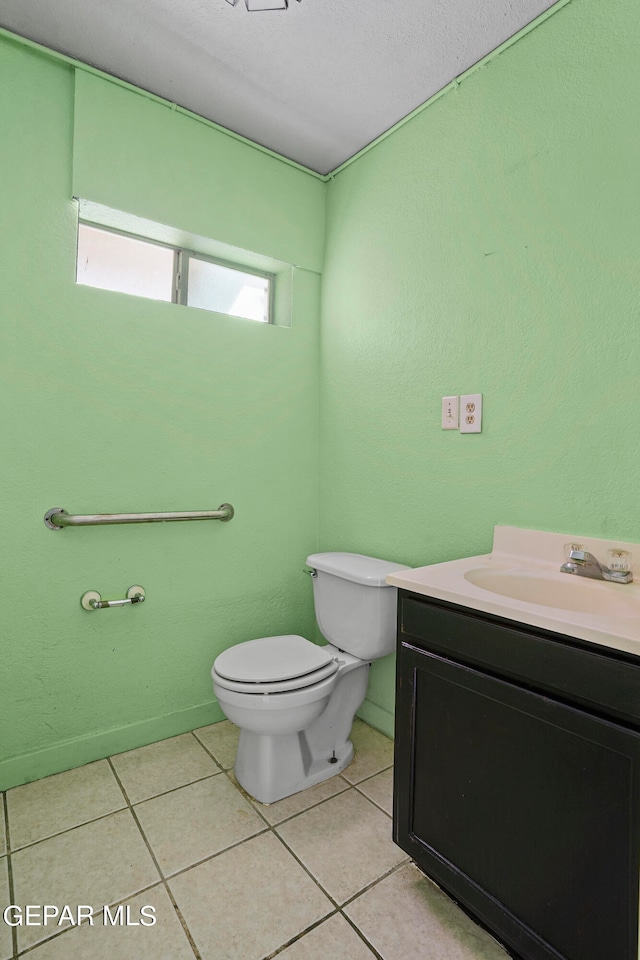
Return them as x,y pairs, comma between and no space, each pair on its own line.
449,413
471,413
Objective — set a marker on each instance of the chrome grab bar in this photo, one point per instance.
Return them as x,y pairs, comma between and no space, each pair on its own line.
91,600
57,518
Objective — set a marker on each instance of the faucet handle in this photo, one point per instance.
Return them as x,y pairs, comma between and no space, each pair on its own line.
619,560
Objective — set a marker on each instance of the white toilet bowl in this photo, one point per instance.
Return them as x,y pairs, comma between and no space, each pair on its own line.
293,732
294,701
278,713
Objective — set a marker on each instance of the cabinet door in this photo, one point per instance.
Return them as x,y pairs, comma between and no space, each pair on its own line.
524,808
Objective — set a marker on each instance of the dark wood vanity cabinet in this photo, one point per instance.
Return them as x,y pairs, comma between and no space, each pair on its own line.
517,778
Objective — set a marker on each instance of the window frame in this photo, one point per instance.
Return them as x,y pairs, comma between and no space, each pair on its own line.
181,273
180,270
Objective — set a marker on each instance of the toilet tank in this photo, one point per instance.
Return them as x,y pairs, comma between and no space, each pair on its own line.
355,608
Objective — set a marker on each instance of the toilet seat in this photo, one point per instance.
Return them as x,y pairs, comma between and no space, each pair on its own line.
273,665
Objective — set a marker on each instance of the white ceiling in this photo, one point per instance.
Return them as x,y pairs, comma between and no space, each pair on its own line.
316,83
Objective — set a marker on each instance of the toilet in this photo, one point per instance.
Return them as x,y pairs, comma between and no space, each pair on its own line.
294,701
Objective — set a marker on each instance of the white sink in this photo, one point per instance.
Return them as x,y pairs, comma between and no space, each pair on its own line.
521,580
594,597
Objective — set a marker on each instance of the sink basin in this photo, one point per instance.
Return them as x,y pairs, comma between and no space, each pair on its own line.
520,580
564,591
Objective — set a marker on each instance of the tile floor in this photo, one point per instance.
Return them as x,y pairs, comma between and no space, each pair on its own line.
312,877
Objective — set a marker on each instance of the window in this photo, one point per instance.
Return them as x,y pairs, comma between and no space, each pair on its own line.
214,286
118,261
114,261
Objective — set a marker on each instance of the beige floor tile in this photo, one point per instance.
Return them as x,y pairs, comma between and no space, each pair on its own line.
249,901
158,767
165,940
64,800
222,740
380,789
6,946
373,752
99,863
290,806
197,821
3,843
345,843
334,939
406,917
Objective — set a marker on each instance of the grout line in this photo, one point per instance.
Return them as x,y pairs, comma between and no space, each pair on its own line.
255,804
126,806
76,826
359,932
135,817
273,828
389,766
370,799
306,870
376,805
183,924
293,816
7,841
243,793
212,856
85,921
208,751
300,935
339,907
369,776
394,869
165,793
352,923
163,881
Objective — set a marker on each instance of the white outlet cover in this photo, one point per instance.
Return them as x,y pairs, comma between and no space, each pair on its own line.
471,413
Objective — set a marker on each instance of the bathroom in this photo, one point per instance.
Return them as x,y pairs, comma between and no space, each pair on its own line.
488,245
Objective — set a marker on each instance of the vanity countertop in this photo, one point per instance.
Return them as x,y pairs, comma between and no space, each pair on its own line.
520,580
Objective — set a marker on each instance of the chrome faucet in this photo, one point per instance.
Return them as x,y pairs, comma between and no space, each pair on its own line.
584,564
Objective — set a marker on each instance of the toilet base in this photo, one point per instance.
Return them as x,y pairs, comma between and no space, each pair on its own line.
270,767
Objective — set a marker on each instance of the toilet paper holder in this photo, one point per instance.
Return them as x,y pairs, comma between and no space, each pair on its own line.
91,600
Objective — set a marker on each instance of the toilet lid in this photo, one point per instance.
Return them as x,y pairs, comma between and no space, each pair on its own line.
271,659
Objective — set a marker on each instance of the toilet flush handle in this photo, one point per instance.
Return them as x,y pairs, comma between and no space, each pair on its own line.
310,571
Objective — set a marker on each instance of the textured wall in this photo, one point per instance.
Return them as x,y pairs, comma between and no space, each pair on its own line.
118,404
490,245
135,154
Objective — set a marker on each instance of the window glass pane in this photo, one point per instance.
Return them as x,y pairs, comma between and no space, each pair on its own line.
224,290
114,262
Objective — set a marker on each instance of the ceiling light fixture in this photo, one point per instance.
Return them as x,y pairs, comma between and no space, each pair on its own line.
252,5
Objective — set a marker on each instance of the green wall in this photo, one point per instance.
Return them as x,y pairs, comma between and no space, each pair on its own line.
490,245
114,404
135,154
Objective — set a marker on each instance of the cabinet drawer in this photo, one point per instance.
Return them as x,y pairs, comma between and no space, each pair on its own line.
606,683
